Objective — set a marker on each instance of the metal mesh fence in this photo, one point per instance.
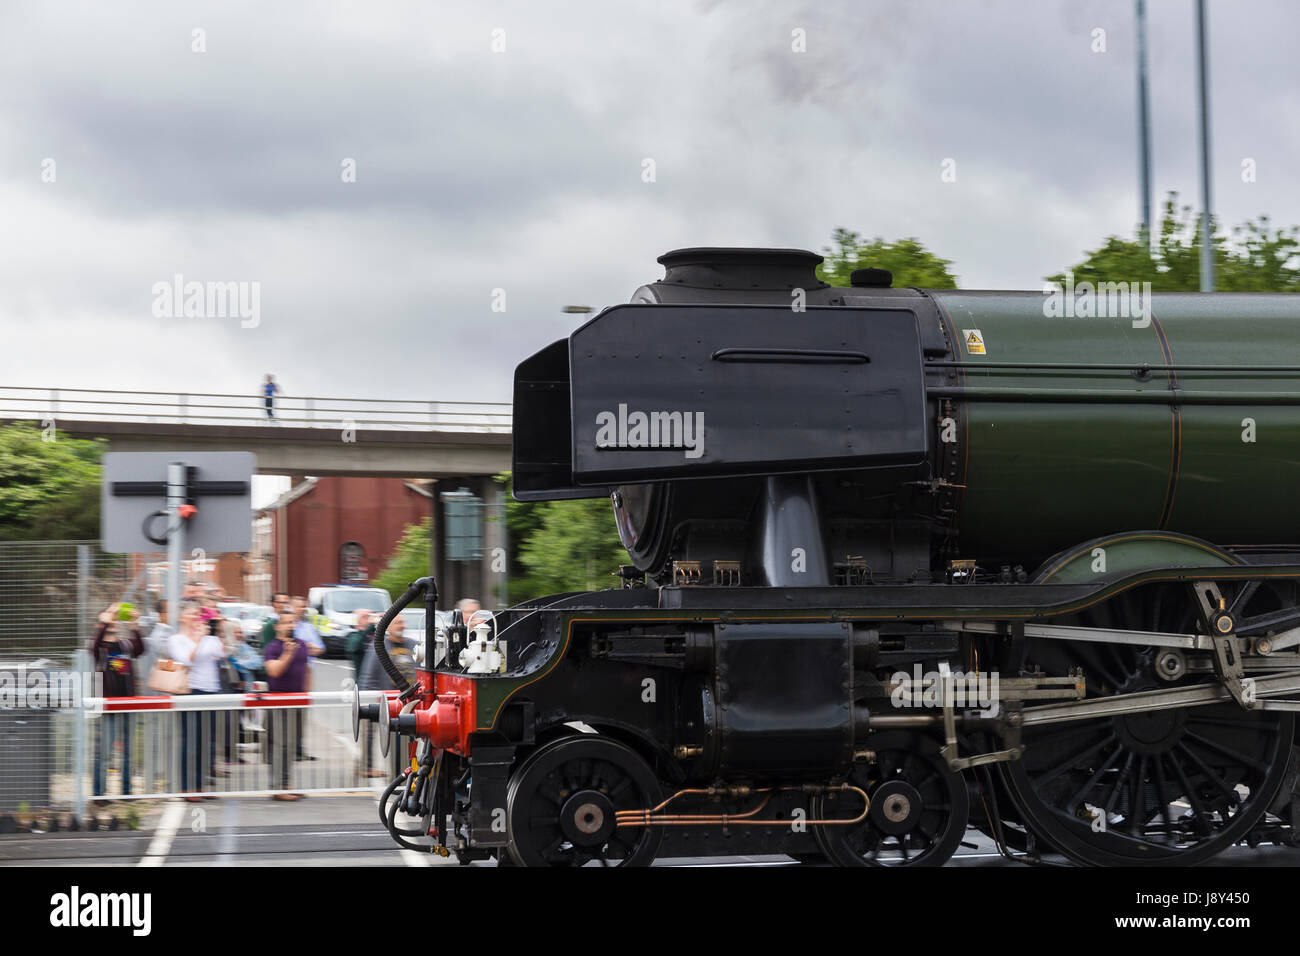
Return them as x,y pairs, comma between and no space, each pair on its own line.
50,594
54,753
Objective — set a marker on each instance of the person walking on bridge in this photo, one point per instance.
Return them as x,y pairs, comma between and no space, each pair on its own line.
269,388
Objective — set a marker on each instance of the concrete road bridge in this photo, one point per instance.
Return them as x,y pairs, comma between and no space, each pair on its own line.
307,436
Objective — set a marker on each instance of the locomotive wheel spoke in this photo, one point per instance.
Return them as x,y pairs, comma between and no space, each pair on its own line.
1205,769
1137,798
1199,812
1119,781
1073,760
1163,795
1242,598
1256,765
1076,799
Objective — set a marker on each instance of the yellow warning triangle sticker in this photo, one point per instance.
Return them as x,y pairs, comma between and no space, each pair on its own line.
974,341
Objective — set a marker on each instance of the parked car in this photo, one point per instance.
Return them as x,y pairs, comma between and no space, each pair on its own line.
336,609
248,617
253,620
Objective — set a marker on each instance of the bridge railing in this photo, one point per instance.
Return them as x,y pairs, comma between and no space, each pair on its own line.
209,408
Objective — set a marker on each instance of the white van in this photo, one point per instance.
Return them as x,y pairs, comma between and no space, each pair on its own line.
337,609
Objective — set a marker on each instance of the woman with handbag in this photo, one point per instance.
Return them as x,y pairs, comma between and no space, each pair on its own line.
200,652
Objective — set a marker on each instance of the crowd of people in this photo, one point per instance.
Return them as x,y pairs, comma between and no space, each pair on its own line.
210,654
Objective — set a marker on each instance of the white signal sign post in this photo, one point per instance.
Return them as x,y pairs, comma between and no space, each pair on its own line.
206,501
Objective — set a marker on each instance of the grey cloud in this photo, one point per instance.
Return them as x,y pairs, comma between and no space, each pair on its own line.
522,170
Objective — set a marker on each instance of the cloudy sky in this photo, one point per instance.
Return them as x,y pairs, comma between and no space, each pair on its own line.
520,168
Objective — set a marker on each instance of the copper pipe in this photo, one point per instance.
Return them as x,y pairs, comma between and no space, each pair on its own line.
664,803
637,818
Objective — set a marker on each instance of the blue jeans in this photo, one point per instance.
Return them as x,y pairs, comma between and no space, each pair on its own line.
109,729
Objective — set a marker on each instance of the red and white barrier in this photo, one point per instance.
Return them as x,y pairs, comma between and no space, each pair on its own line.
253,701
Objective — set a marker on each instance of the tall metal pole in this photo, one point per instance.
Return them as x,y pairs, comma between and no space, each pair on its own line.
1144,125
175,538
85,674
1203,64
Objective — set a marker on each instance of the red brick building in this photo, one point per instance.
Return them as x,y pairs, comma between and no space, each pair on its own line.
233,572
330,531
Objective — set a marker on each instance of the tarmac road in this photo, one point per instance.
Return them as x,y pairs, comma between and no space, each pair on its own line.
344,830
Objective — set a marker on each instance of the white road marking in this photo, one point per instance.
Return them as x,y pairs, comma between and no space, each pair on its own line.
229,837
163,836
414,857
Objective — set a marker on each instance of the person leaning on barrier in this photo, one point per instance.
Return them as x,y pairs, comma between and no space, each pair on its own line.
305,631
158,642
117,647
196,648
286,673
355,647
374,677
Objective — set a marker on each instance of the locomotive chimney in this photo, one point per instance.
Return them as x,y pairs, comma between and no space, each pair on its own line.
725,268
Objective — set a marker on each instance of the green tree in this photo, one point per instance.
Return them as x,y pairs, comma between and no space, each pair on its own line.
410,559
576,548
909,261
1254,258
552,547
49,489
559,546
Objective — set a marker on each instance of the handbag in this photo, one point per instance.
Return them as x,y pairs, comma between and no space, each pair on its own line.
227,676
169,677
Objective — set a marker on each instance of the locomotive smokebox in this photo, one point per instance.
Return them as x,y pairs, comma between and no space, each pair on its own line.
704,406
660,392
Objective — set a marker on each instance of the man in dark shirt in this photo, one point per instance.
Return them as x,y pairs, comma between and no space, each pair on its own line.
117,645
286,672
279,604
372,676
358,639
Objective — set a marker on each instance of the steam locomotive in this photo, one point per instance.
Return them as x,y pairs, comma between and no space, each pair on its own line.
902,562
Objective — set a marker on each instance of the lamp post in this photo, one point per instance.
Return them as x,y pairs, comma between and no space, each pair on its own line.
1203,69
1144,124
